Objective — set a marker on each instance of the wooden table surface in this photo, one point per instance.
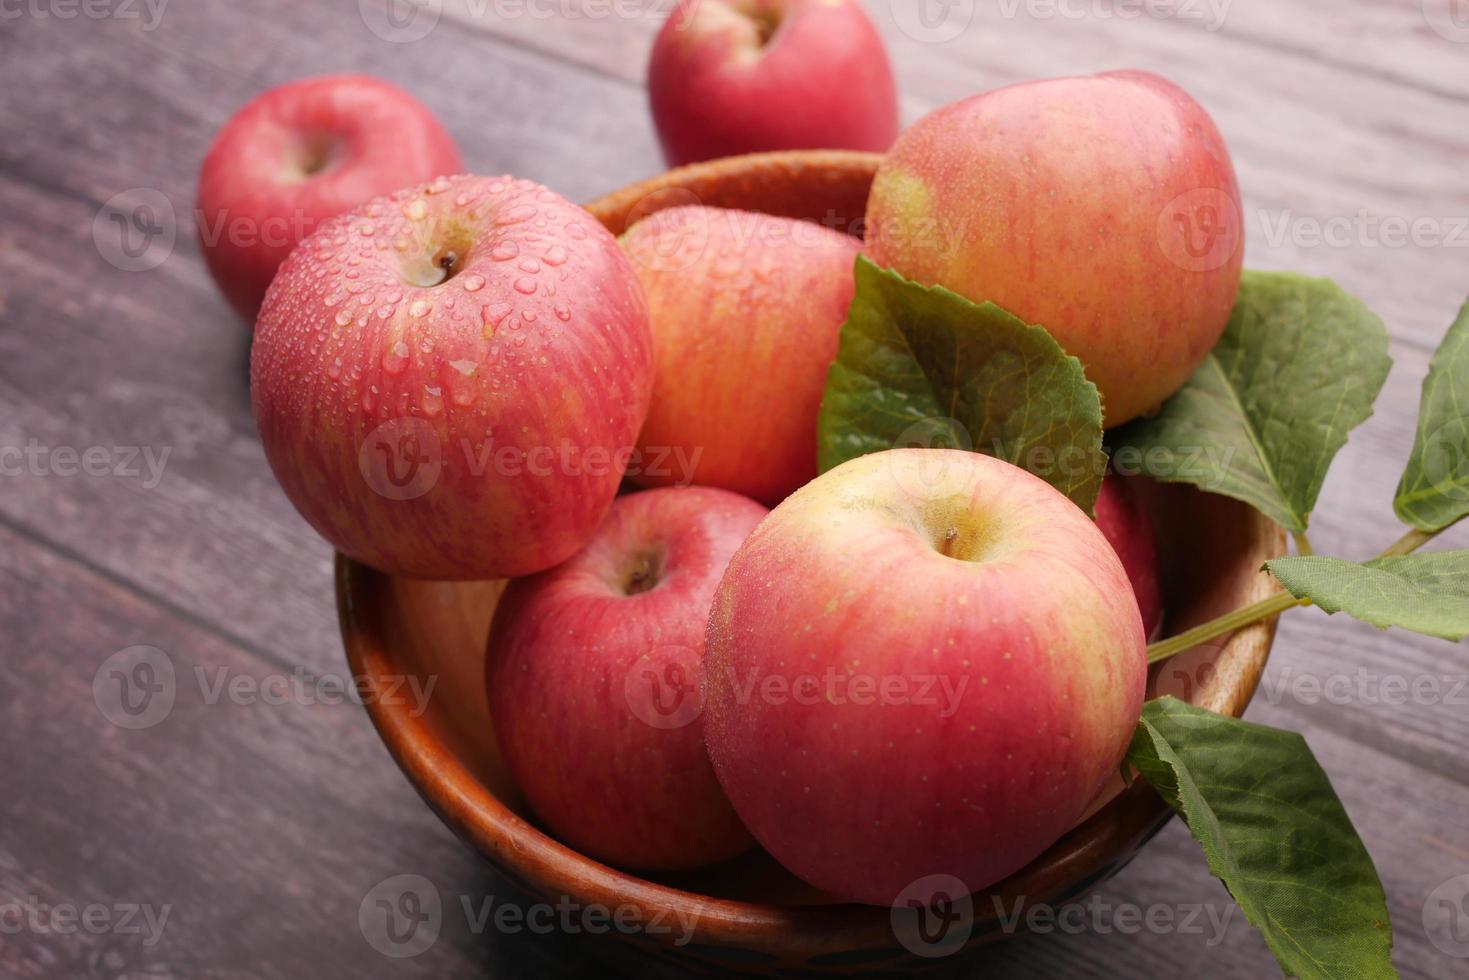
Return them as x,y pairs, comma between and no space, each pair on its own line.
258,826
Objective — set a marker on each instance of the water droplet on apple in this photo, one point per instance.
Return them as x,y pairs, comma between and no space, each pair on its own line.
420,308
464,366
473,284
576,232
526,285
563,312
556,255
515,215
531,266
395,360
416,209
504,251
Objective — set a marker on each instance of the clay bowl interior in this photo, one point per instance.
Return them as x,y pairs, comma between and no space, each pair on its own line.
750,912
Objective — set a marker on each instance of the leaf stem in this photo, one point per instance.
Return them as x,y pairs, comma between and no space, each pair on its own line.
1303,543
1278,603
1410,542
1227,623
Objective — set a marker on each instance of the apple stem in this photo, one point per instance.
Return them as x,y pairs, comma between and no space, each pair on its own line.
1273,606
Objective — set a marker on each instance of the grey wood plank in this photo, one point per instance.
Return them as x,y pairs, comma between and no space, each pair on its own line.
251,830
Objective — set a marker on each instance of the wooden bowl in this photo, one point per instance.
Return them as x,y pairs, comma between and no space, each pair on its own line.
750,913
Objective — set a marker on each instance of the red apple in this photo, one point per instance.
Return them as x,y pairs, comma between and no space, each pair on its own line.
299,154
746,311
1125,524
745,76
1104,209
925,663
448,381
593,683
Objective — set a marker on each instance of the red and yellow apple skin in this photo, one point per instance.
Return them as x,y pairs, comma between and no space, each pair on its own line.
1103,208
1125,524
302,153
593,673
747,311
448,382
925,662
744,76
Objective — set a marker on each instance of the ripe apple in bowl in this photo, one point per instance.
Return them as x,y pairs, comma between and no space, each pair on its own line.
746,76
1104,209
749,911
925,663
299,154
746,311
448,382
593,671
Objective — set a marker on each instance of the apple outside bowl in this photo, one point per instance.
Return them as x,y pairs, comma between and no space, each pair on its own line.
750,914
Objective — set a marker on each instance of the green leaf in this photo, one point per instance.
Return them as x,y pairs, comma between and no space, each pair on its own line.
1426,593
1298,367
1434,491
925,366
1275,833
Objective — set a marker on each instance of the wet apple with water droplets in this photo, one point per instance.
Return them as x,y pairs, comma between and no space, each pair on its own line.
448,381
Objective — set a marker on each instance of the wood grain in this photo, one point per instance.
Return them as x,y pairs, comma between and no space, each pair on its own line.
1330,106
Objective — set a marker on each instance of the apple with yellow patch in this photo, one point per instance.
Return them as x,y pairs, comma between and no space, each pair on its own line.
924,663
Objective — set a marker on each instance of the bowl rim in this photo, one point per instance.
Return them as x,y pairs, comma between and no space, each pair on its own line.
544,866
